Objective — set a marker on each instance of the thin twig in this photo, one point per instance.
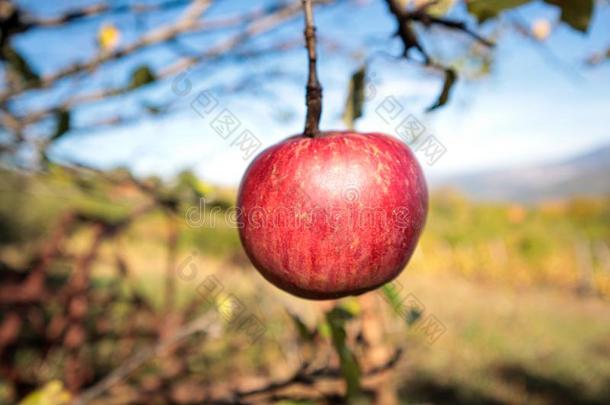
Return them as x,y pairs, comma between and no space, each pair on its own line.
306,377
144,355
313,98
408,35
218,53
190,22
429,20
96,10
259,20
405,32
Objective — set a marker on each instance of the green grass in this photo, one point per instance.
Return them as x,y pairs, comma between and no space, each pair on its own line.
505,343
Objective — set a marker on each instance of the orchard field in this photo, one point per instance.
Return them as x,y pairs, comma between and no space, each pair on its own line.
518,294
132,269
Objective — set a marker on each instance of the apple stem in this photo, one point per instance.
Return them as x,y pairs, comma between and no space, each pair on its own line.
313,97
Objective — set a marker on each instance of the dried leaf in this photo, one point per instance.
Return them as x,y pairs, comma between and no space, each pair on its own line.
355,98
576,13
142,76
19,66
436,8
450,79
62,124
484,9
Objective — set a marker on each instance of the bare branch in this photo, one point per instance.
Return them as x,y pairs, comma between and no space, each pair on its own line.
220,51
405,32
306,377
408,36
140,358
190,23
96,10
429,20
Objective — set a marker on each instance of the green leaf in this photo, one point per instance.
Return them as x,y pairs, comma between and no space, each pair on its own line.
324,329
142,76
340,314
304,333
19,65
450,79
576,13
62,124
485,9
350,370
355,98
392,295
413,315
351,305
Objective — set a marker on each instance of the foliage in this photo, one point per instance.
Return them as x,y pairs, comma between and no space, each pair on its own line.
336,318
576,13
53,393
51,111
141,76
450,79
63,124
497,244
355,98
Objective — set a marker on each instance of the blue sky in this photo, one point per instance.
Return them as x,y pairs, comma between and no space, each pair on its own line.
540,102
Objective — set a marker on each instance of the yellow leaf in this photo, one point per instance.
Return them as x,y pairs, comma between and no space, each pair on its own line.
437,8
108,37
53,393
203,188
541,29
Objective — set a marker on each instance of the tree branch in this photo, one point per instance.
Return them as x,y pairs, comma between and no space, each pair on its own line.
260,20
428,20
408,36
141,357
405,32
313,97
190,22
96,10
215,53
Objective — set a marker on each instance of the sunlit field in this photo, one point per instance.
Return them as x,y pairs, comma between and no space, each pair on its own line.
304,202
518,293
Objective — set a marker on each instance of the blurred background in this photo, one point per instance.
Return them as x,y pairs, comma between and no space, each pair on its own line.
126,126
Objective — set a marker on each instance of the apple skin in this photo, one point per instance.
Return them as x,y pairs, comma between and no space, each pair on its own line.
335,215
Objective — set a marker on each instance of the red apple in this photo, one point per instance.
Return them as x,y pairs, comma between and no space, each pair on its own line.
335,215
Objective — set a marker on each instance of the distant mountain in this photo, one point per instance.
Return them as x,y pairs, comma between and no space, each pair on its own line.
587,174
